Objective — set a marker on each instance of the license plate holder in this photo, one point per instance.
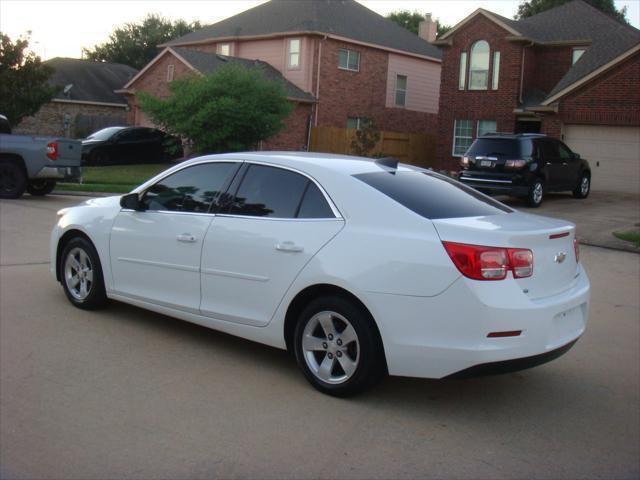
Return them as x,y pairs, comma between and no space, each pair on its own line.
486,163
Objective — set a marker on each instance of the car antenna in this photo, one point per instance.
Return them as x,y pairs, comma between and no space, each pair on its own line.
388,162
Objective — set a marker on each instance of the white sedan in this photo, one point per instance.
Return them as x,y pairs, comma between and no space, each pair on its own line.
359,267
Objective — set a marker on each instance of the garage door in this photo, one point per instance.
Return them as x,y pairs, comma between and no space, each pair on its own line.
613,153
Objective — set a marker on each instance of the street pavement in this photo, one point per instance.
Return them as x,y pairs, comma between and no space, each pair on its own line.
126,393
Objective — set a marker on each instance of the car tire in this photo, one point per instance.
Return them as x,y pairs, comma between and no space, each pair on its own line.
337,347
584,186
13,179
81,275
40,188
536,193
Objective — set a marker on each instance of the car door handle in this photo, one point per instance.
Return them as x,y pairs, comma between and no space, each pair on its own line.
186,238
289,247
564,164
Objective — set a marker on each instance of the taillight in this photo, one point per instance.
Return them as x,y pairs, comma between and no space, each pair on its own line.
576,249
52,150
514,164
490,263
464,161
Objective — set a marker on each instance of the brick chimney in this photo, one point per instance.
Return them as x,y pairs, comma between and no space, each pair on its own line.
428,29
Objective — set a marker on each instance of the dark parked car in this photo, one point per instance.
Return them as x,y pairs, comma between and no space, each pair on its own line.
524,165
124,145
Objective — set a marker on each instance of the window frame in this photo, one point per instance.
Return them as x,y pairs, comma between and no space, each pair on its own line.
495,71
478,127
462,74
290,53
360,121
171,71
221,46
453,147
405,90
239,177
349,52
475,44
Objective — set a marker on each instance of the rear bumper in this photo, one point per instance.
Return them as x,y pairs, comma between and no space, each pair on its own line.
498,184
59,173
435,337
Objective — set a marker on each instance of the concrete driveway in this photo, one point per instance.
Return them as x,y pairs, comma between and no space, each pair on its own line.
125,393
596,217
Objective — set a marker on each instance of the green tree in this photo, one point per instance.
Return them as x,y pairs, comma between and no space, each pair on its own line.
366,139
230,110
533,7
411,21
24,86
136,44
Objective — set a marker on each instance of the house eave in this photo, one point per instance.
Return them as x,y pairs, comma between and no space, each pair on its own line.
89,102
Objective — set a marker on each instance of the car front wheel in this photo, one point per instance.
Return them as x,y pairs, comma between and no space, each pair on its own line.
13,180
81,275
584,187
536,194
337,347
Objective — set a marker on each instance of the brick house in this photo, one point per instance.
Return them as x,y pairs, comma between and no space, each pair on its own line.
571,72
340,62
85,101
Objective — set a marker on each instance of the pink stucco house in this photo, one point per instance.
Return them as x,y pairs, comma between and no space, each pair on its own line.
341,63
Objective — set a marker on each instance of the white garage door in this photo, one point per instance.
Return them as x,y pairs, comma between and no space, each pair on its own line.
613,153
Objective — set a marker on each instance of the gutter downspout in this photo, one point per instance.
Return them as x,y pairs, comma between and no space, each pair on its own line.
318,82
522,71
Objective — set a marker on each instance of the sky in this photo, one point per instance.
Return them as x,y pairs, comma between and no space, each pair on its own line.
60,28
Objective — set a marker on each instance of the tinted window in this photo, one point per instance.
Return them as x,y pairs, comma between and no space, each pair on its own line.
269,192
549,150
433,196
501,148
4,125
105,133
314,205
565,153
190,190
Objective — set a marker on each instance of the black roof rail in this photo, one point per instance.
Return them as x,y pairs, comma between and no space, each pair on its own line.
388,162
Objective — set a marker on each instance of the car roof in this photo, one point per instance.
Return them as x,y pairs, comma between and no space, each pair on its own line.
513,136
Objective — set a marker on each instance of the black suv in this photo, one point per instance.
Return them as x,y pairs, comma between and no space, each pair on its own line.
524,165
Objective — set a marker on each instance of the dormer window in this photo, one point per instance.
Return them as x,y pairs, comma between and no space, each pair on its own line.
479,66
224,49
576,54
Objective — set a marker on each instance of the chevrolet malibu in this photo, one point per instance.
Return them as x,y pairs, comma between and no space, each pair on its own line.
358,267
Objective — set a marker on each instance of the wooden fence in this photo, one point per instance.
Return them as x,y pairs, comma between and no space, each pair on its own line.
416,149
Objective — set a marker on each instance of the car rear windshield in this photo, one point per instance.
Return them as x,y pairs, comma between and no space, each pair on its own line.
105,133
500,147
433,196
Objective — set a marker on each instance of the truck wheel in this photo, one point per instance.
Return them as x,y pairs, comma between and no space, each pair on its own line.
13,180
536,194
41,187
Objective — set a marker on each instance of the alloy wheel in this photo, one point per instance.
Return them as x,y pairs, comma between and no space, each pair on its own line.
537,192
584,186
78,274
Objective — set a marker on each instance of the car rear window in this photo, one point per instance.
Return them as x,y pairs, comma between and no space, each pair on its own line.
500,147
433,196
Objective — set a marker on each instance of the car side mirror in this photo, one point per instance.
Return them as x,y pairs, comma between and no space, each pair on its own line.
131,201
576,156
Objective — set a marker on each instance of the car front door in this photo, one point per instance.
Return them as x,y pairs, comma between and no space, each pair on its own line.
553,165
156,252
570,165
277,221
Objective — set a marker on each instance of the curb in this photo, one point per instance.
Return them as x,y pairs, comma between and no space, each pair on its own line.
73,193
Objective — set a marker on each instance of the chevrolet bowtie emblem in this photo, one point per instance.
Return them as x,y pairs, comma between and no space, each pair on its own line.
560,257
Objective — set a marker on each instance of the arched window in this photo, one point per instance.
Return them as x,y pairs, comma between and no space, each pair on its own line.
479,66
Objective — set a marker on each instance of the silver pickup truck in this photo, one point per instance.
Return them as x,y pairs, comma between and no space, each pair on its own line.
35,164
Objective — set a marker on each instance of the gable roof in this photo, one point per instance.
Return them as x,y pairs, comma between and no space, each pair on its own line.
341,18
207,63
606,39
92,81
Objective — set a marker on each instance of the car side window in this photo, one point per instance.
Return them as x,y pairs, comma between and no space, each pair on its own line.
269,192
193,189
549,151
313,204
565,153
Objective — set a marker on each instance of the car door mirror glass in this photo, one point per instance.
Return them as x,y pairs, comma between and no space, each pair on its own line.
131,201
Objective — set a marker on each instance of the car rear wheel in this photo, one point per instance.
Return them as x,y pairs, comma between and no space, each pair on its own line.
337,347
584,187
13,180
81,275
536,194
41,187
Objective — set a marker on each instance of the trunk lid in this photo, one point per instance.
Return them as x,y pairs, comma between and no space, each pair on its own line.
550,240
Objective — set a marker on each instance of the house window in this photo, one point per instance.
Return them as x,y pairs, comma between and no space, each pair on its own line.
224,49
170,71
462,79
348,60
577,53
401,90
496,71
486,126
294,53
357,123
479,66
462,136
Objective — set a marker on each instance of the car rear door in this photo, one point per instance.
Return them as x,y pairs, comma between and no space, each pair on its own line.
156,253
277,220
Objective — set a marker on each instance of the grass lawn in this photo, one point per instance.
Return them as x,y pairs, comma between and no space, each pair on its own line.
633,237
114,179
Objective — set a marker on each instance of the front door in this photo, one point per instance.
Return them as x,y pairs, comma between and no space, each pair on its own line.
156,253
277,222
556,171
